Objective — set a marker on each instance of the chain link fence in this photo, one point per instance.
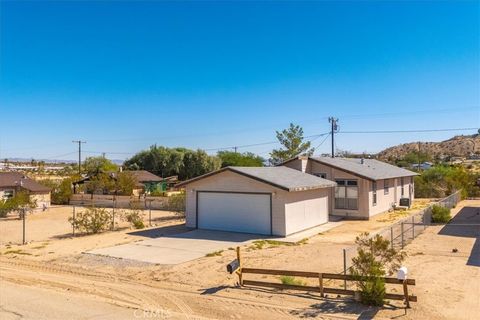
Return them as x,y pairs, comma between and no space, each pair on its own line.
404,231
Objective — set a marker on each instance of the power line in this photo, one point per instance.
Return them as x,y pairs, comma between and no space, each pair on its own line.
412,131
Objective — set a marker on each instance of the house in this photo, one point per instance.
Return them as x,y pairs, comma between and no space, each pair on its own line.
13,182
365,187
146,182
262,200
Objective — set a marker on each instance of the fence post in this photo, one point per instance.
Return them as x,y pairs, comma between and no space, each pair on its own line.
73,222
391,236
113,214
345,268
320,280
402,234
413,227
239,271
150,212
23,218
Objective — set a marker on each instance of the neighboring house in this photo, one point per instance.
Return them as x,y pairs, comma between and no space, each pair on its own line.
262,200
422,166
146,182
13,182
365,187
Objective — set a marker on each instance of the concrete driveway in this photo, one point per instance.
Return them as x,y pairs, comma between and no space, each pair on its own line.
177,248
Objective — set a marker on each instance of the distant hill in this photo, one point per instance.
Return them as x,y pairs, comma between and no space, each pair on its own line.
458,146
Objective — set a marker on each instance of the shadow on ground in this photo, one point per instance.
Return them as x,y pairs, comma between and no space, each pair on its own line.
160,231
466,224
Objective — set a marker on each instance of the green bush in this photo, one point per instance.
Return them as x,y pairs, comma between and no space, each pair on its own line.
93,220
292,281
21,200
135,218
440,214
176,202
375,259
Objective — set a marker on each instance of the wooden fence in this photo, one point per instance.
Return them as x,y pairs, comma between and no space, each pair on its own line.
237,267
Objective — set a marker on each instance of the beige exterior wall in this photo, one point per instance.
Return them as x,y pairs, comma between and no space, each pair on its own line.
40,198
366,208
306,209
291,211
230,181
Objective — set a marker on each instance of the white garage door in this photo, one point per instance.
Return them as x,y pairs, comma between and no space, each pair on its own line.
238,212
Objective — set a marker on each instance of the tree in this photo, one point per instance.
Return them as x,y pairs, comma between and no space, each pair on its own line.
96,165
441,181
246,159
375,259
292,141
166,162
124,183
21,200
61,190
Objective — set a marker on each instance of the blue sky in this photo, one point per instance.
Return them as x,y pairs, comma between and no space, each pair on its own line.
124,75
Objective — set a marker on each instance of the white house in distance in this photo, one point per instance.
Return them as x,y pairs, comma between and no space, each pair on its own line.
297,195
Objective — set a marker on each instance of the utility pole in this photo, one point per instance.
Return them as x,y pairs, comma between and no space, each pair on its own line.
79,154
333,121
235,148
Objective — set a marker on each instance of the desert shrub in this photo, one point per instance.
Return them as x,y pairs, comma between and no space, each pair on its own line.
92,220
292,281
375,259
135,218
176,202
61,190
440,214
21,200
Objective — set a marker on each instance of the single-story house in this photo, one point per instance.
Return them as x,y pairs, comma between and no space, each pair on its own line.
13,182
146,182
365,187
262,200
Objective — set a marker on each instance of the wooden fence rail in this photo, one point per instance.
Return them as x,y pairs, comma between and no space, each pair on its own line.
237,267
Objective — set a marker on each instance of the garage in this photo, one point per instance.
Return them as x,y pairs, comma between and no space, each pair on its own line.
235,211
277,201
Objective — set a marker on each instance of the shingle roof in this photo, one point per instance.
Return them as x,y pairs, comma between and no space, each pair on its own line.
16,179
145,176
371,169
281,177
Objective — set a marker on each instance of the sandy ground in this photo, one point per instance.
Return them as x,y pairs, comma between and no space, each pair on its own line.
202,288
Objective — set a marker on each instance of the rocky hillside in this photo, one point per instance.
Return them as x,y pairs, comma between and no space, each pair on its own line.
459,146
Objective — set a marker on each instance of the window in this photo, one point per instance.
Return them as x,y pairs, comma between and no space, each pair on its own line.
346,195
374,189
386,187
321,175
7,194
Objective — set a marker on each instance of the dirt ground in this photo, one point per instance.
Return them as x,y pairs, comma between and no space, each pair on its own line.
203,289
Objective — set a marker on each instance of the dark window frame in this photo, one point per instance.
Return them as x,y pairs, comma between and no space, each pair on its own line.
348,203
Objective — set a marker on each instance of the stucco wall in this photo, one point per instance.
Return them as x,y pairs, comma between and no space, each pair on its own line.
291,211
41,199
230,181
307,209
366,208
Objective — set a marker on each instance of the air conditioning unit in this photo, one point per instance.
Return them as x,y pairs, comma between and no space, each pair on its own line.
404,202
